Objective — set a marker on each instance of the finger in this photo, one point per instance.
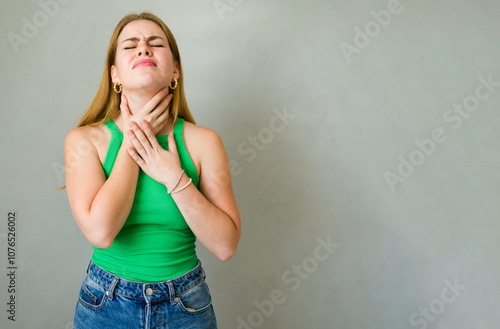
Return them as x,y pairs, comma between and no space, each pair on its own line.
149,134
153,102
124,107
133,154
172,147
139,141
163,107
163,116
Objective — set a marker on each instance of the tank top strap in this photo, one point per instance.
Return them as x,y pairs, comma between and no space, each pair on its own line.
112,127
114,146
190,168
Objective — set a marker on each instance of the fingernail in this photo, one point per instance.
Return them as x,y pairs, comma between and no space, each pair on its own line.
131,124
130,133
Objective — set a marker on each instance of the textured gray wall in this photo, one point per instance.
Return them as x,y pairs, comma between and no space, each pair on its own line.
363,137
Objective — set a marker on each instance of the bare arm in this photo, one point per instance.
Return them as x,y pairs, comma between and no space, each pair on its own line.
211,212
101,206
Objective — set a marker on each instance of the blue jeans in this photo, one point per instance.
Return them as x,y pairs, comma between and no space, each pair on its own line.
108,301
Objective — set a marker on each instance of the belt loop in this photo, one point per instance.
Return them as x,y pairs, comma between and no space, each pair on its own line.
88,266
202,270
111,290
171,291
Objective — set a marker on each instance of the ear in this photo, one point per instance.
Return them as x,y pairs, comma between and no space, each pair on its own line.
176,71
114,75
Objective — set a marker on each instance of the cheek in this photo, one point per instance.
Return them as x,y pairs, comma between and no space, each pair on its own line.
166,57
168,63
122,63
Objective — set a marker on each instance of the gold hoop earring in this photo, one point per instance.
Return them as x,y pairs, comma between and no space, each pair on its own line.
175,84
117,90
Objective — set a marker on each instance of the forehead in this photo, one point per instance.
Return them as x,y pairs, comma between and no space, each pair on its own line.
141,28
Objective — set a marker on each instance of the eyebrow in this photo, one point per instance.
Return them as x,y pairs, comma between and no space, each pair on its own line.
151,38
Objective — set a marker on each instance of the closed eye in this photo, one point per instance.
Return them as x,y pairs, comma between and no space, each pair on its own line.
132,47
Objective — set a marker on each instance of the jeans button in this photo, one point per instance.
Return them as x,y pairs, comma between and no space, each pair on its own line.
149,291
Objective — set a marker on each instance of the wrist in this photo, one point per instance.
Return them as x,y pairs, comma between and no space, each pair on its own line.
184,183
175,179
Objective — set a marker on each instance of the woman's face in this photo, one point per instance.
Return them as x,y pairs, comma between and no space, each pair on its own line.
143,58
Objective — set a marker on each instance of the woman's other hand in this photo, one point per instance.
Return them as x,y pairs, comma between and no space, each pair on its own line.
161,165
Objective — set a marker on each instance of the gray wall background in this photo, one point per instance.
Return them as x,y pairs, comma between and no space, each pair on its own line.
420,252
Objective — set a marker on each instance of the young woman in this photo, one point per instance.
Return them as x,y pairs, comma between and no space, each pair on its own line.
143,182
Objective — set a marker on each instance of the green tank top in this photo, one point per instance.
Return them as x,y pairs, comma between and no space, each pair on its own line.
155,243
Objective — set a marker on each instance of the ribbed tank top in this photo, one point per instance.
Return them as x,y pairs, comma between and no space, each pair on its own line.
155,243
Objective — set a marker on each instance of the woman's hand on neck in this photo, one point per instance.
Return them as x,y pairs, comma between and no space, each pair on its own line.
137,98
151,103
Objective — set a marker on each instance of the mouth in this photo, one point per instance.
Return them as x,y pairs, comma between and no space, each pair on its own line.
144,62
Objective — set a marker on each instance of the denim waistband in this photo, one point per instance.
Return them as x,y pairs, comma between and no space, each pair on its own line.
142,290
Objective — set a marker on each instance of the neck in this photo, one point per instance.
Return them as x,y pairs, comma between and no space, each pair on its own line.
136,101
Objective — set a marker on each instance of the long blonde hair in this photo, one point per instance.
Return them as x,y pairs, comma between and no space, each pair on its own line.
106,103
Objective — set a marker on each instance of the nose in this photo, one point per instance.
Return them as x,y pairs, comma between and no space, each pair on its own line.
144,49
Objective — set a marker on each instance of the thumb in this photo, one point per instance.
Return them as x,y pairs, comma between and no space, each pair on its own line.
172,147
124,107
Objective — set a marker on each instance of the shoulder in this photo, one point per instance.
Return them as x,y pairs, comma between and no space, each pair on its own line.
203,143
86,138
76,135
199,134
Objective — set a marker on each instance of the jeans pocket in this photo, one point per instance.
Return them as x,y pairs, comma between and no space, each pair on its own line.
92,294
195,300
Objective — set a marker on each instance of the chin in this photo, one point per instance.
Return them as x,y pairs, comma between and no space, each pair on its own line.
148,85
